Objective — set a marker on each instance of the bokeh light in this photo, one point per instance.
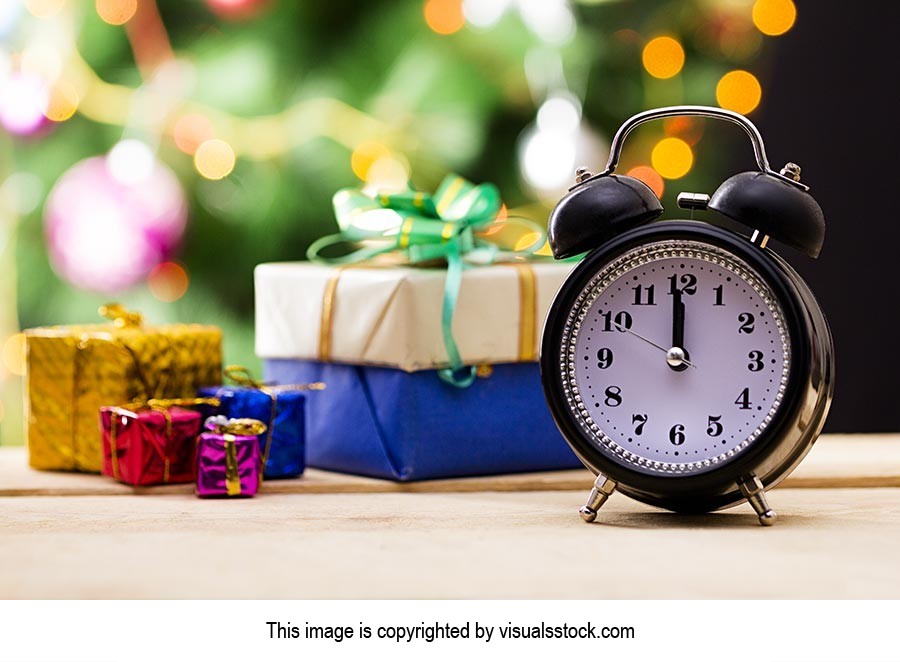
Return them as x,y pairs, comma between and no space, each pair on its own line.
364,155
21,193
10,11
104,235
116,12
63,102
190,131
732,35
14,354
739,91
672,158
663,57
627,36
389,173
237,10
548,159
131,161
23,99
214,159
549,149
5,65
650,177
551,20
43,59
168,281
44,8
689,129
484,13
559,113
444,16
774,17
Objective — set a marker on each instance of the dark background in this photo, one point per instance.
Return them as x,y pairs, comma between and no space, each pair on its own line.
831,106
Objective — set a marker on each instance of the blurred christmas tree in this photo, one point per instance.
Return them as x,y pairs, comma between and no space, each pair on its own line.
155,152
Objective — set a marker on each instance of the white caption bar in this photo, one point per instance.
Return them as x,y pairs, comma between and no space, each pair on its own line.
755,631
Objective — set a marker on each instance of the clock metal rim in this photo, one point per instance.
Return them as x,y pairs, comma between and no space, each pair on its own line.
617,268
798,420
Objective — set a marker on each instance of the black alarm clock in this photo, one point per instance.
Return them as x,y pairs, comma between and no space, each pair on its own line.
686,363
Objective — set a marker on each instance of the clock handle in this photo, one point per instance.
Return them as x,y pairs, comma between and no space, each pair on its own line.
759,149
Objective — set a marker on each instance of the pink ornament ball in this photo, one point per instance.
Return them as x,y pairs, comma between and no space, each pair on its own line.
106,235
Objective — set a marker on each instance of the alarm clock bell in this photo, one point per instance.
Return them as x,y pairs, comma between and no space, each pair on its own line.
773,204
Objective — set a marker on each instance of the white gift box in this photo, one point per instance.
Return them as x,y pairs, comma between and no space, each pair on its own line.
392,316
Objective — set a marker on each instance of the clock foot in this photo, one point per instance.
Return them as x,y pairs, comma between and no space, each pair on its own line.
603,487
752,488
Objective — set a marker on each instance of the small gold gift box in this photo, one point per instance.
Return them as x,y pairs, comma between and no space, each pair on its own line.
72,371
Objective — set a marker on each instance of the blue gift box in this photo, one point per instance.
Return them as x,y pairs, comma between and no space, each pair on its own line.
283,444
373,336
388,423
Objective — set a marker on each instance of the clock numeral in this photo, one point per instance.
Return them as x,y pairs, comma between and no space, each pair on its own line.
688,284
621,322
714,428
604,358
613,396
641,420
720,295
746,321
639,295
743,400
676,434
756,361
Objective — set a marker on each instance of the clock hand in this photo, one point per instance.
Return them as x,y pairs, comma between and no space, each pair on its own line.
677,320
659,347
678,363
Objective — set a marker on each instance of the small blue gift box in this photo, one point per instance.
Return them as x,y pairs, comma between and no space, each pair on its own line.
282,409
373,336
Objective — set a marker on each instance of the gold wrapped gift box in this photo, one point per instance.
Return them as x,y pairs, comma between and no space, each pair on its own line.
72,371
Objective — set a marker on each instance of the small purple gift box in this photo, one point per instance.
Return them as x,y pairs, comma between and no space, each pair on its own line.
228,460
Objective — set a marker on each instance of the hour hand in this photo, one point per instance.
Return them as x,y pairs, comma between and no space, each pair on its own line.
678,357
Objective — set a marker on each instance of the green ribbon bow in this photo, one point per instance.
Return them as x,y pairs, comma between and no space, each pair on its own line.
458,224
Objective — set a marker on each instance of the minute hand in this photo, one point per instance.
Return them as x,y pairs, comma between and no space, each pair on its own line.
650,342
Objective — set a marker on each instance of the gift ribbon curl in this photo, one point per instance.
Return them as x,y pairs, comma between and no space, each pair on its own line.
120,316
241,376
460,224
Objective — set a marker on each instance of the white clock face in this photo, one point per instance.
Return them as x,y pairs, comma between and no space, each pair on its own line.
678,356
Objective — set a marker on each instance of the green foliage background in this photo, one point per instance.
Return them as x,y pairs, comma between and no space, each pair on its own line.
454,103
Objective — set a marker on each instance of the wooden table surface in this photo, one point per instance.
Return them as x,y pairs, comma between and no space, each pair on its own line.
69,536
